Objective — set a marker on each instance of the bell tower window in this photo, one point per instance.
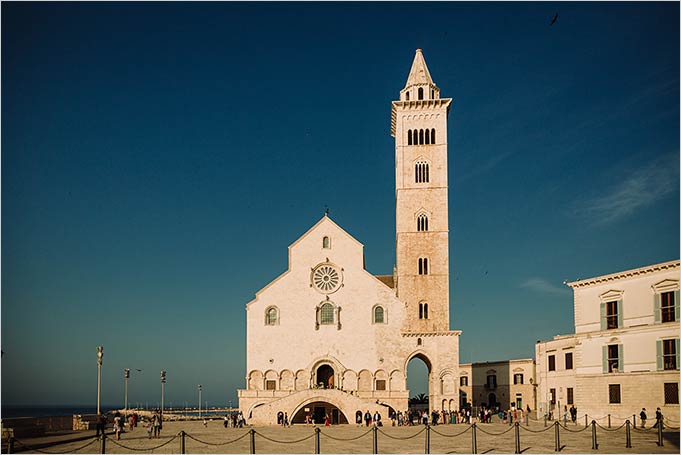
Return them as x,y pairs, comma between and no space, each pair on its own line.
422,223
409,137
422,172
432,135
421,93
427,136
423,310
407,94
423,266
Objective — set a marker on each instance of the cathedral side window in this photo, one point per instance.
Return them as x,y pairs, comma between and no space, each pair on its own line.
271,316
422,223
379,315
420,93
326,314
326,278
326,242
423,266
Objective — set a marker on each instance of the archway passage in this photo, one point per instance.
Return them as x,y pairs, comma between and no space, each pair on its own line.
317,411
492,401
325,377
418,382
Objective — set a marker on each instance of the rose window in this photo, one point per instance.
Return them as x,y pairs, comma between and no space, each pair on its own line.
326,278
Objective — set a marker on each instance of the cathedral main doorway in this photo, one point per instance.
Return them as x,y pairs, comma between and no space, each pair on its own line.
318,411
325,377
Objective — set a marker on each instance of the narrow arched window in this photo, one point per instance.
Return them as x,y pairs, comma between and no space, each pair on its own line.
432,135
407,96
271,316
379,315
419,342
423,266
420,311
421,138
326,243
425,311
422,223
432,94
326,314
409,137
426,176
427,136
420,93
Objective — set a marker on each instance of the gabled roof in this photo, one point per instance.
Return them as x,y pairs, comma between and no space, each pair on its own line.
419,73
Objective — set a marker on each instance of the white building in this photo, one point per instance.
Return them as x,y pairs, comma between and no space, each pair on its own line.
326,336
498,384
624,354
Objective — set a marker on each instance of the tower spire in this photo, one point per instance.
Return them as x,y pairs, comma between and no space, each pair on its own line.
419,74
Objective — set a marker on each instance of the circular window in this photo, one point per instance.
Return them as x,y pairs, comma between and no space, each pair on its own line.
326,278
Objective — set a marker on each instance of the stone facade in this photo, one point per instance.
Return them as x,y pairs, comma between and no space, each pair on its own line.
625,347
498,384
326,336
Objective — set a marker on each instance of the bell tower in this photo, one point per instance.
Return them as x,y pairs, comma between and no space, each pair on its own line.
419,126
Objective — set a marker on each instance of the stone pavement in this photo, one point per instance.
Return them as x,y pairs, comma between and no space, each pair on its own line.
490,438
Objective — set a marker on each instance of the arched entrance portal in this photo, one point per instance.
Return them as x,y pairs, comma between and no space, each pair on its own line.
419,382
317,411
325,377
492,401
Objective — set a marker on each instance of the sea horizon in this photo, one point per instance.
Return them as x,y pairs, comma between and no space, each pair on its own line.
56,410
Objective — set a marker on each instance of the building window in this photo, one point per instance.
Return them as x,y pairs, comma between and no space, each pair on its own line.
611,315
667,307
423,266
552,397
612,358
463,381
409,137
379,315
518,378
421,137
422,223
423,310
419,342
407,96
427,136
380,384
614,394
422,172
518,400
570,395
432,135
552,363
420,93
326,314
491,381
669,354
326,242
671,393
271,316
270,385
568,360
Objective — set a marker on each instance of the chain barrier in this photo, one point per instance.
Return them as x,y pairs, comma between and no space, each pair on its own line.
494,434
573,431
644,430
451,435
408,437
535,431
216,443
65,442
346,439
145,448
285,442
610,429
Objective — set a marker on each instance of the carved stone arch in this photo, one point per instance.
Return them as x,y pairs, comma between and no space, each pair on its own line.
420,354
255,380
324,399
302,380
447,382
365,381
287,380
271,375
257,404
397,380
349,380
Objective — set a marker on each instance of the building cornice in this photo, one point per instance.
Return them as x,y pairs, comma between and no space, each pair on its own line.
415,104
625,274
448,333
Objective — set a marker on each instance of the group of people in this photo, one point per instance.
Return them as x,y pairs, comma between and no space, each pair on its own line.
659,418
234,420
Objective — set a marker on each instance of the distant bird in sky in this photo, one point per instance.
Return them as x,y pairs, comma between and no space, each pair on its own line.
553,21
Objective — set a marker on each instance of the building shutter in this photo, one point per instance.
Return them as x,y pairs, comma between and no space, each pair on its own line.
620,319
605,358
656,309
677,352
620,358
603,321
659,354
676,310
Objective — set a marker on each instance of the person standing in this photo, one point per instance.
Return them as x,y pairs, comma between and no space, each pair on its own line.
367,418
658,419
118,423
643,417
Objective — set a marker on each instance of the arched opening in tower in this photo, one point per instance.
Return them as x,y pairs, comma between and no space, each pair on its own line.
325,377
418,382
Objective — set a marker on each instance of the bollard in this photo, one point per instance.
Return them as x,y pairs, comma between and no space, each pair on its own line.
634,420
517,438
252,432
609,421
474,442
182,442
427,439
316,440
659,433
557,437
586,420
544,420
375,448
102,446
10,444
594,441
627,433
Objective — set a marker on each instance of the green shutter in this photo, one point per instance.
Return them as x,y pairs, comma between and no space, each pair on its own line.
677,353
659,354
605,359
620,358
603,322
656,309
676,308
620,319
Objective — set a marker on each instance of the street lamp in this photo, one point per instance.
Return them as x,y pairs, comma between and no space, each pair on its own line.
200,389
126,375
100,356
163,389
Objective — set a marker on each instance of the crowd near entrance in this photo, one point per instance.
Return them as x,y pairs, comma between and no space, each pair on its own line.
318,413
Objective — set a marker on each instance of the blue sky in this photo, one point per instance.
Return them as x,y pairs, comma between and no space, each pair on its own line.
158,159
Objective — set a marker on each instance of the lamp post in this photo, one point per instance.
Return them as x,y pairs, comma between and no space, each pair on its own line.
163,389
100,356
200,389
126,375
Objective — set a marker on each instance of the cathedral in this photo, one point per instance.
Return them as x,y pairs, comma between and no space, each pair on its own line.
326,337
